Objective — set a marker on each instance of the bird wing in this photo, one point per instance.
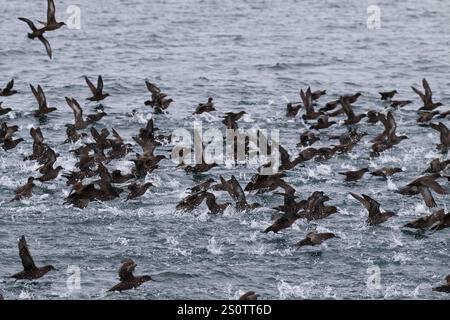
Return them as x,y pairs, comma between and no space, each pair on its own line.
27,260
36,95
51,12
152,88
43,100
421,95
47,45
427,196
30,23
119,139
374,206
77,111
347,108
126,270
237,190
363,201
10,85
436,187
37,135
428,93
391,125
91,85
99,84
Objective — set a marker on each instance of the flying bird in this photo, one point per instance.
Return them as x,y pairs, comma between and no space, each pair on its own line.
127,279
38,33
30,271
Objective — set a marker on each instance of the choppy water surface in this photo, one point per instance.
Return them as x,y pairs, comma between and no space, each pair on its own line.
248,55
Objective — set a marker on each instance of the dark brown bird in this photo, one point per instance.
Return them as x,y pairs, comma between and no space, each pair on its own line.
352,98
262,183
375,215
127,279
137,190
426,116
388,95
373,117
72,134
205,185
386,172
30,271
400,103
437,166
4,111
200,167
307,138
314,238
9,143
322,123
25,191
118,177
205,107
119,148
292,109
315,207
330,106
213,206
236,192
97,91
159,101
6,131
351,117
48,171
426,222
81,195
308,105
285,160
423,185
38,33
43,108
444,223
427,97
192,201
354,175
8,90
445,287
51,24
231,118
317,94
283,222
95,117
444,135
250,295
388,138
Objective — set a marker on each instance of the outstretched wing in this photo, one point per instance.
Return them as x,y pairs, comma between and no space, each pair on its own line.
152,88
47,45
51,12
126,270
99,84
91,85
77,111
10,85
29,23
363,201
27,260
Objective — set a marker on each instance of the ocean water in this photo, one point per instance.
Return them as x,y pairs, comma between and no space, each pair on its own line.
248,55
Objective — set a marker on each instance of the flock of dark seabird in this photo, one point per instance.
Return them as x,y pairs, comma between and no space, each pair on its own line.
94,156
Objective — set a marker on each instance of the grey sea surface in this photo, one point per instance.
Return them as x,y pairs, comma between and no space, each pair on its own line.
248,55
